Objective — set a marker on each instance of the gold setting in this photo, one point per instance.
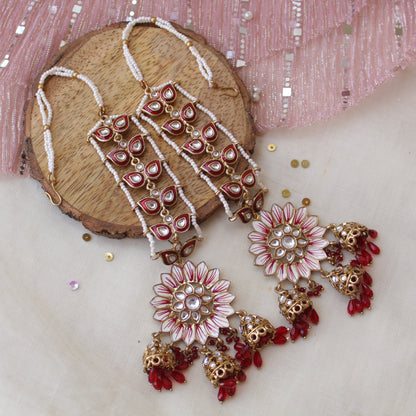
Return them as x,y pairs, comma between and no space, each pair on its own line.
348,234
254,328
293,303
346,280
219,366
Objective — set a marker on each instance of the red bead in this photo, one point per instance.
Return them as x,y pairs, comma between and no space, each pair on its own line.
152,375
178,377
365,301
157,384
239,346
314,317
367,291
294,333
280,340
212,342
229,382
351,307
359,307
231,390
303,333
246,363
264,340
257,360
367,279
228,340
373,248
223,348
166,383
301,324
241,376
222,394
281,330
354,263
373,233
364,258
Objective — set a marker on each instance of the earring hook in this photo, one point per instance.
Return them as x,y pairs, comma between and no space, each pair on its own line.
227,90
52,181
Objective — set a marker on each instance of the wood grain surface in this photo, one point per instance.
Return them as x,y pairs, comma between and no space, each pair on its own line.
89,191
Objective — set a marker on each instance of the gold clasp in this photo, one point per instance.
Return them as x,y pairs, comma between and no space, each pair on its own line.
52,181
227,91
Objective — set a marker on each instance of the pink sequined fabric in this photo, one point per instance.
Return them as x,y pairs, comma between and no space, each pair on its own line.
302,61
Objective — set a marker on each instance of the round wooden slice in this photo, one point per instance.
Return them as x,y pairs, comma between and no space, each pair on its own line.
89,191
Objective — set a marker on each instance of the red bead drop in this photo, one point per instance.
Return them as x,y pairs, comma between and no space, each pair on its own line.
373,233
281,330
314,317
246,362
166,382
365,301
178,377
359,307
157,384
367,279
222,394
257,360
373,248
152,375
351,307
303,333
367,291
241,376
294,334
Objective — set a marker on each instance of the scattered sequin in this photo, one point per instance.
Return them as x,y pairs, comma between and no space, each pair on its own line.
74,285
305,163
306,202
294,163
286,193
86,237
109,256
271,147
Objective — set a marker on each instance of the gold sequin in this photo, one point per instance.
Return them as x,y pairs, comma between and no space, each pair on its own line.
271,147
286,193
306,202
305,163
86,237
109,256
294,163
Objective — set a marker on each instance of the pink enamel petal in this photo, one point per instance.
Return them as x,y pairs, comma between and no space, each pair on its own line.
258,249
262,259
201,272
177,274
281,272
316,232
201,334
309,222
260,227
220,286
318,253
169,324
288,212
161,314
256,237
267,219
318,243
300,215
224,298
189,334
168,281
293,273
311,262
211,328
225,310
212,277
162,290
277,213
303,269
189,271
177,333
159,302
220,321
271,268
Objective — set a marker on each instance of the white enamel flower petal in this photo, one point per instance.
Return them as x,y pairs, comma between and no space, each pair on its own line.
256,237
212,277
159,302
189,271
189,334
211,328
220,321
201,272
201,334
220,286
316,232
309,223
288,212
169,324
257,249
311,262
281,272
318,243
177,333
267,219
162,290
277,213
262,259
293,273
225,310
303,269
260,227
300,215
168,281
271,267
224,298
177,274
317,253
161,314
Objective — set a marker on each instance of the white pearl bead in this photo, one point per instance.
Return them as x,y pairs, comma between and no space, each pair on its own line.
255,97
248,15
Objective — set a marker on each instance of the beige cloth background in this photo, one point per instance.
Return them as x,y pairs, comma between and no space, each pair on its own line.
76,353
